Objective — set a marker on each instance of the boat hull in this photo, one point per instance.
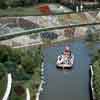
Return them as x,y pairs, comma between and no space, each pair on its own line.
63,65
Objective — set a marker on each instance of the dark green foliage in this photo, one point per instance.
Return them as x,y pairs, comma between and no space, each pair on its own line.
93,37
97,78
96,57
98,1
89,37
20,62
27,64
14,3
21,75
96,67
24,64
4,53
16,56
10,66
36,57
2,70
3,83
3,4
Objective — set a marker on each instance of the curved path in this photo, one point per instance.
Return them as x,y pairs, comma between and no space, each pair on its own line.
67,84
8,89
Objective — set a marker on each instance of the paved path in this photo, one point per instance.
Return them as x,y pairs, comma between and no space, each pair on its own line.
8,89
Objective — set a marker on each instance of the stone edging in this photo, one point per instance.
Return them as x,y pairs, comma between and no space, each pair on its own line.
9,86
28,94
92,92
40,89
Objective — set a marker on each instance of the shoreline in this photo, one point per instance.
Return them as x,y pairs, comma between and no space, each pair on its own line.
40,88
91,83
52,43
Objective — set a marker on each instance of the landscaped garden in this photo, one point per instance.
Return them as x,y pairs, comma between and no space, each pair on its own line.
24,65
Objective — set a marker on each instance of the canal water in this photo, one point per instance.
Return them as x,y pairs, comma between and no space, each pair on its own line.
66,84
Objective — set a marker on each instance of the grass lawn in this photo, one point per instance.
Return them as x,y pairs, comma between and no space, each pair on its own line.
20,11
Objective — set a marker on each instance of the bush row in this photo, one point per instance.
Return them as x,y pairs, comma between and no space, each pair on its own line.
96,68
21,63
15,3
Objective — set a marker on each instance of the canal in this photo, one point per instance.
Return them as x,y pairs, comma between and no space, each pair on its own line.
66,84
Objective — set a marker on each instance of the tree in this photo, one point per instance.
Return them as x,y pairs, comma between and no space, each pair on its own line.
27,2
2,70
27,64
10,66
96,56
5,53
3,4
16,56
98,1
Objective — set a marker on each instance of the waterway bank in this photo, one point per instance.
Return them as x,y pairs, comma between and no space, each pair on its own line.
96,75
91,83
51,43
94,71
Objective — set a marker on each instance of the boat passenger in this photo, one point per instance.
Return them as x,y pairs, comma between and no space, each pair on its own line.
67,57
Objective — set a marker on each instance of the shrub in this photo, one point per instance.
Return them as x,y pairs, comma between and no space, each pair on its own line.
2,70
27,63
3,4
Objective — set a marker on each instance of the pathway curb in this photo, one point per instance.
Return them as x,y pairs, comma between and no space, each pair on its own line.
92,92
8,89
40,89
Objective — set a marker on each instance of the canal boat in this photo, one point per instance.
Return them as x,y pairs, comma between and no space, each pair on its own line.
60,64
66,60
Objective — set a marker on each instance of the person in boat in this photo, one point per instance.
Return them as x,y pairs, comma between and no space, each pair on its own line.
66,58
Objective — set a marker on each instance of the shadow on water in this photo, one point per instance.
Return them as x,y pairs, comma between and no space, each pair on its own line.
66,84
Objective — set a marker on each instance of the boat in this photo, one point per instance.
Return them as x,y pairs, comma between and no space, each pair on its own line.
60,64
